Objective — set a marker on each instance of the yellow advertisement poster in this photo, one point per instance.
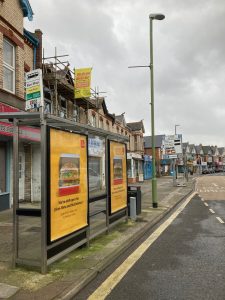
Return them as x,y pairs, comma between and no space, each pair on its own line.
118,176
82,83
68,183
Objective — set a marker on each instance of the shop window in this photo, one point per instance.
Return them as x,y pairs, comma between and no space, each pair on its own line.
20,166
8,66
129,169
3,168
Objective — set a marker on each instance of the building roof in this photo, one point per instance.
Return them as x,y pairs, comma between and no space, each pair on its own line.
31,37
206,150
198,149
120,118
136,126
27,10
158,141
221,150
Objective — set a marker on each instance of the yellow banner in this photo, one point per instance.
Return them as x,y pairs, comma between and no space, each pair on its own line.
82,83
68,183
118,176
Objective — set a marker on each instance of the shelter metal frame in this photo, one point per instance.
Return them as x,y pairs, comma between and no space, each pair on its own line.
42,121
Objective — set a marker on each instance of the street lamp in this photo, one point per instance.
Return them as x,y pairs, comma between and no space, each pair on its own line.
154,182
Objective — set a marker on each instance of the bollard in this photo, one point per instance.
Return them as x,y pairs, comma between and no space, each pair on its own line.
133,210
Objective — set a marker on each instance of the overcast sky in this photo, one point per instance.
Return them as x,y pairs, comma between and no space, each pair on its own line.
189,58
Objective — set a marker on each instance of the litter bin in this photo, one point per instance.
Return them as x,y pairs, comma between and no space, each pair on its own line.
135,191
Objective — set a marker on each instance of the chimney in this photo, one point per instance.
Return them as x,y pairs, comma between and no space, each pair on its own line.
39,34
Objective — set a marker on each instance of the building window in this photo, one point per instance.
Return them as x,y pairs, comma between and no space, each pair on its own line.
8,66
93,120
75,113
117,129
63,113
101,123
48,106
107,125
135,143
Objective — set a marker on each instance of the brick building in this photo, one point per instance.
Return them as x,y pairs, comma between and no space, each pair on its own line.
17,55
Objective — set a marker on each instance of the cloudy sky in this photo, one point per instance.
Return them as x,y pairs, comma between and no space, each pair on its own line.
189,58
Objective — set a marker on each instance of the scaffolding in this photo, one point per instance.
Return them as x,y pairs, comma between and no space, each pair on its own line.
59,80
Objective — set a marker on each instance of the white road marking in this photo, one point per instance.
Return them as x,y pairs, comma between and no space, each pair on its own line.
206,204
220,220
212,211
107,286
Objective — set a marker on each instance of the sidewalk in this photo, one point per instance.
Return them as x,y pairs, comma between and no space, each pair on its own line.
67,276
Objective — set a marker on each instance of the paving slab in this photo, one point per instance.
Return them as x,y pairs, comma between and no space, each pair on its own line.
67,276
7,291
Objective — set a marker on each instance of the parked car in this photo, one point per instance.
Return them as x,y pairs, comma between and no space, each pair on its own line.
211,170
205,171
217,170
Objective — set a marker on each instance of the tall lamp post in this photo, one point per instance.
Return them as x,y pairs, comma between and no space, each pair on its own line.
175,161
154,182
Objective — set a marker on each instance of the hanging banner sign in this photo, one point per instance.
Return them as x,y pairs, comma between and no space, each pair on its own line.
34,89
68,183
82,83
118,176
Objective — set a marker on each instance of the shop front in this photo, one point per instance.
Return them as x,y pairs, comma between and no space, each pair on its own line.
135,168
147,167
29,152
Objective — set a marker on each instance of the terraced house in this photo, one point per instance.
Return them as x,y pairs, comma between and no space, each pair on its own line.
18,48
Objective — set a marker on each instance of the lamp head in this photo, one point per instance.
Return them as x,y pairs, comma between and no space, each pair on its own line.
156,16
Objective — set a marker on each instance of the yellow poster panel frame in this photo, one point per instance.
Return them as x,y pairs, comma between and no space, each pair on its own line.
118,176
68,183
82,83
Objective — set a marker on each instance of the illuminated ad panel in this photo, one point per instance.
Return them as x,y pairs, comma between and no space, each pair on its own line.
68,183
118,176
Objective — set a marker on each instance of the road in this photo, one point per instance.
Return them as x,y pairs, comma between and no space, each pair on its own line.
184,258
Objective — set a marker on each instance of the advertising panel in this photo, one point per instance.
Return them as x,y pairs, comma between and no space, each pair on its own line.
68,183
118,176
34,89
82,83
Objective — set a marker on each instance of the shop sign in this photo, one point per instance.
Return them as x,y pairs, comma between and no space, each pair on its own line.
172,144
96,146
34,89
25,132
82,83
68,183
118,176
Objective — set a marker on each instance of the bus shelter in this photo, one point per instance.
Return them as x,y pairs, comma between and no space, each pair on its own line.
69,185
